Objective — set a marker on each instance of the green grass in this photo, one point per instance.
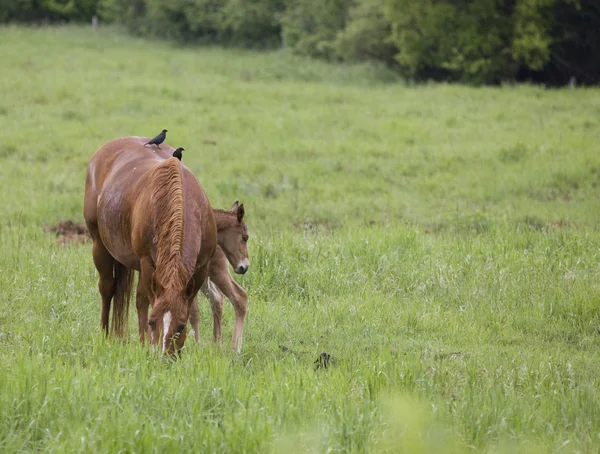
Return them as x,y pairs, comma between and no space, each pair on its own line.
439,241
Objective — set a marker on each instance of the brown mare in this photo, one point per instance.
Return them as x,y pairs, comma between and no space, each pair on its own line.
147,212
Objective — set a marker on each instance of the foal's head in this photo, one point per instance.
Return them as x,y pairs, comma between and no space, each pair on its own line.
232,236
168,320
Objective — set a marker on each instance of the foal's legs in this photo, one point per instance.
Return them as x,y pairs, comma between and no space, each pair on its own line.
142,297
106,283
195,318
215,297
238,298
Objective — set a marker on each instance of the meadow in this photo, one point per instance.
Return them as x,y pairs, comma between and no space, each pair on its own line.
439,241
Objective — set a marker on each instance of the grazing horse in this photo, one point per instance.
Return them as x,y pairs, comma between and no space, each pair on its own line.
146,211
230,227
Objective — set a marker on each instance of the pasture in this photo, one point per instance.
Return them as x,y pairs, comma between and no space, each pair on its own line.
440,242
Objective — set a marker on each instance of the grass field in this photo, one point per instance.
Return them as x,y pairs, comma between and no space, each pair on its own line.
440,242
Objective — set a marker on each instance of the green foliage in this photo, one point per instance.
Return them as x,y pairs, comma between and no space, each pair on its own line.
185,20
466,40
489,41
252,23
47,10
367,35
532,39
575,35
130,13
472,41
310,27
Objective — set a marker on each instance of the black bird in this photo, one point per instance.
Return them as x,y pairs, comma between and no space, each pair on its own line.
177,153
158,139
322,361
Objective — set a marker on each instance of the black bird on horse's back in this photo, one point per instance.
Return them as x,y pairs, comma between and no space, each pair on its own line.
177,153
158,139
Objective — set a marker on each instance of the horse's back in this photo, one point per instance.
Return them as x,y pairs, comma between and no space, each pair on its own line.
121,156
117,190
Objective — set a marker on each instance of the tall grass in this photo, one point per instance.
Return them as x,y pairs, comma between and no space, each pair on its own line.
439,242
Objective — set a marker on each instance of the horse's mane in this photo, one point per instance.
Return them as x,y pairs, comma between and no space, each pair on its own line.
167,205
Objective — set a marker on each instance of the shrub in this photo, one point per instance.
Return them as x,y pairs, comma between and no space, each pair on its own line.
47,10
310,27
367,35
465,40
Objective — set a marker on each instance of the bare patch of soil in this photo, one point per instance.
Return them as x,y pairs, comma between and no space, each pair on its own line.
69,232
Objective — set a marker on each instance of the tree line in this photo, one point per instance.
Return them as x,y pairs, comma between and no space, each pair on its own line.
471,41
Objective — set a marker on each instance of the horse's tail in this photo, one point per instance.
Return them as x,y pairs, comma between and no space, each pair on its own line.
123,285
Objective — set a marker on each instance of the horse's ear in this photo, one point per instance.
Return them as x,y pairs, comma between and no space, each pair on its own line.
240,212
234,207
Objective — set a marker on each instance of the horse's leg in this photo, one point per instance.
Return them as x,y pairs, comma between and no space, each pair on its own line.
238,298
106,282
216,303
194,314
195,317
215,297
142,297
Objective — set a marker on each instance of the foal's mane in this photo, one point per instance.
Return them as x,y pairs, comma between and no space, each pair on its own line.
167,206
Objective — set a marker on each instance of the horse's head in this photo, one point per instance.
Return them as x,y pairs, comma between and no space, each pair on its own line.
168,320
232,236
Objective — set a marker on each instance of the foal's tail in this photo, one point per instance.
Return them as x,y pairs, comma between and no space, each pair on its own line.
123,285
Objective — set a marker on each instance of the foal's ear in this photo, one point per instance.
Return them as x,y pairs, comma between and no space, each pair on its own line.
241,212
238,209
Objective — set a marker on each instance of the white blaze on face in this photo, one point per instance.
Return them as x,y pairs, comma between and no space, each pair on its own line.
166,325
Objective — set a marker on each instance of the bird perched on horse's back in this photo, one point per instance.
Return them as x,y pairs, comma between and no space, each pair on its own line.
158,139
177,153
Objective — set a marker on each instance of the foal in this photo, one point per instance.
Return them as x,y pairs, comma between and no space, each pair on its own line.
230,228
